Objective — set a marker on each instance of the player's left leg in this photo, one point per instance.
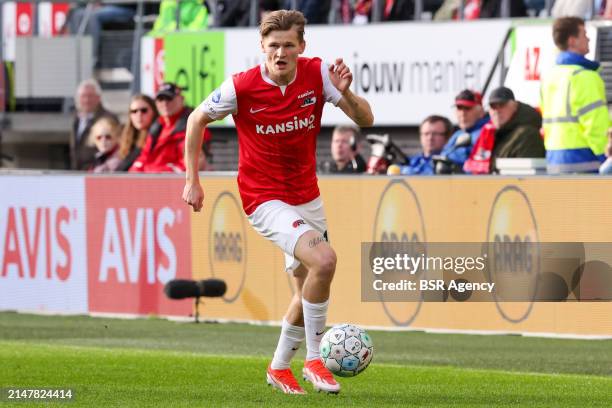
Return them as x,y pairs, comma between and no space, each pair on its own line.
313,251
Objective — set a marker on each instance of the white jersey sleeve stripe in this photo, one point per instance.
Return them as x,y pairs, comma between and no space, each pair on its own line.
330,92
221,102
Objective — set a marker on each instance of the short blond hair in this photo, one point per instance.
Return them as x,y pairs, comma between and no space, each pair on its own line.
104,121
283,20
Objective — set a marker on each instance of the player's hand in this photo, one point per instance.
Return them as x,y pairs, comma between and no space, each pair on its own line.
340,75
193,194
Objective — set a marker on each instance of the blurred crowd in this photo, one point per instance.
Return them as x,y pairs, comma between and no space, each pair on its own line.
570,128
236,12
151,141
201,14
573,113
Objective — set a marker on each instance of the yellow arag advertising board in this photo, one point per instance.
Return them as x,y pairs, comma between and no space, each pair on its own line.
371,209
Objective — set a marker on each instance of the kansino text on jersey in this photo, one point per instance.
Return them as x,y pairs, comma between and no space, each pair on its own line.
405,285
289,126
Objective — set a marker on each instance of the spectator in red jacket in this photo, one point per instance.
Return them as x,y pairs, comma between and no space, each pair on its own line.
165,145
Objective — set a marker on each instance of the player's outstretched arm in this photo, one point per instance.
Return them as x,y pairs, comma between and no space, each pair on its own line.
355,107
193,194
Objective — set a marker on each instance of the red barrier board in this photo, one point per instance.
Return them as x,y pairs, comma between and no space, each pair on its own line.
138,238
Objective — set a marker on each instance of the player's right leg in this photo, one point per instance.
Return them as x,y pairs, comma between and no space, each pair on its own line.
283,380
279,373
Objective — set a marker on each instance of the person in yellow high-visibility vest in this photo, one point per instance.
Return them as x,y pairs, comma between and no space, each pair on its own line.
573,102
193,16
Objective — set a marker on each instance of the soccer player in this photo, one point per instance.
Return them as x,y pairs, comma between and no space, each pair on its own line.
277,109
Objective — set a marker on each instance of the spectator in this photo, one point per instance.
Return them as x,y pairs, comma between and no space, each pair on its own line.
345,151
471,117
398,10
434,133
89,109
141,115
494,9
315,11
450,10
165,145
362,11
343,12
193,16
232,13
514,132
237,13
474,9
606,9
104,135
97,16
266,7
574,104
536,5
571,8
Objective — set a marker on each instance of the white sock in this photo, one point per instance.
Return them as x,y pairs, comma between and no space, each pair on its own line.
289,342
315,315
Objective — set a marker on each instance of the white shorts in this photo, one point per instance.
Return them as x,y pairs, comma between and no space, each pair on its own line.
284,224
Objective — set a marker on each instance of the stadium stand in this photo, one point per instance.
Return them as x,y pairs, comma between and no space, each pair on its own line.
85,258
119,75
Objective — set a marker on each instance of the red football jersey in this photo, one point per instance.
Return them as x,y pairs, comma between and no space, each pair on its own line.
277,135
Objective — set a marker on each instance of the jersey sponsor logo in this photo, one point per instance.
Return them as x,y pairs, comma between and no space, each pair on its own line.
288,126
309,101
305,94
297,223
257,110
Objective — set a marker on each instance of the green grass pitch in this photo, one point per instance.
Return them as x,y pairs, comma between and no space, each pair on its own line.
154,362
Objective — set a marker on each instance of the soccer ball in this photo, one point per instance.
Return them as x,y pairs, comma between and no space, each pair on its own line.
346,350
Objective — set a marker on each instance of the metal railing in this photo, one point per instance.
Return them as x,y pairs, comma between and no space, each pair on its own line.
499,63
139,30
